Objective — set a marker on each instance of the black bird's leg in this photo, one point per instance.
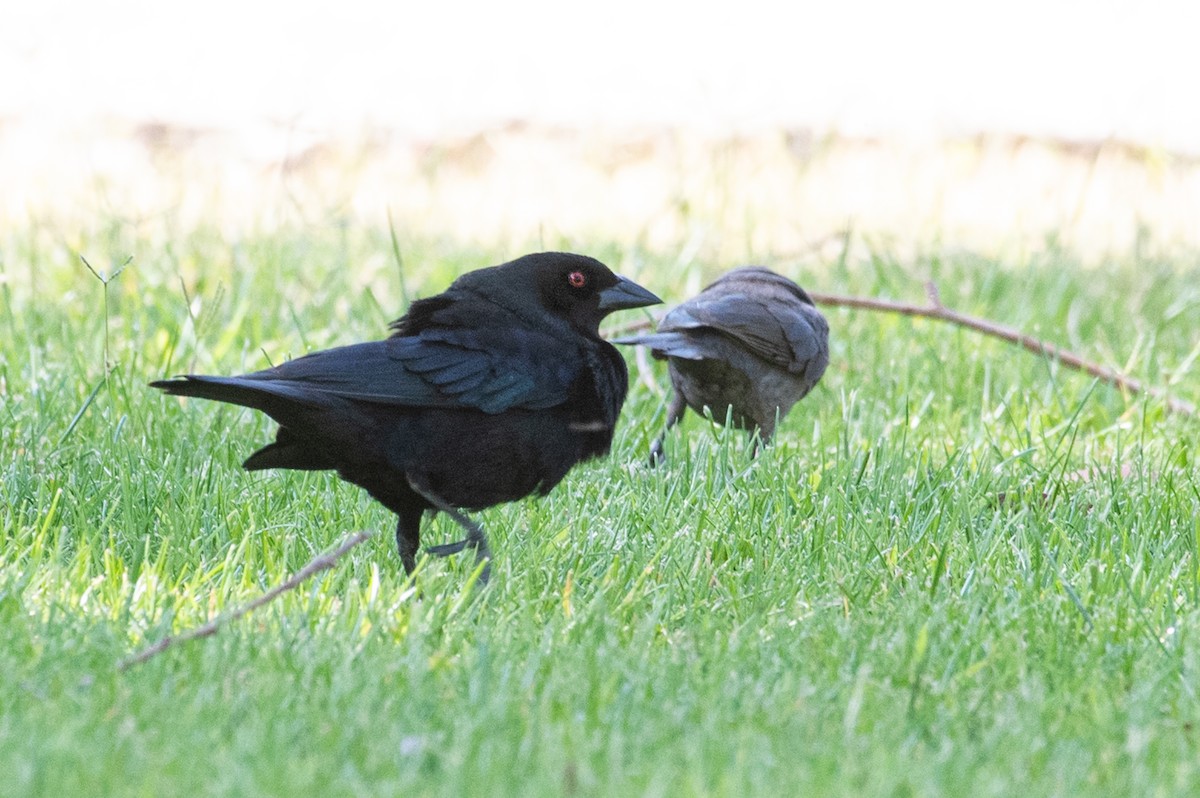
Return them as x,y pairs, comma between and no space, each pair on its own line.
675,412
475,538
408,536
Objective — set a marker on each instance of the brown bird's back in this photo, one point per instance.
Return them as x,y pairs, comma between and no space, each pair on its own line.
748,347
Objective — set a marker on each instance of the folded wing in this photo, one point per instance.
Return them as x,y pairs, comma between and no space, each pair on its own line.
447,369
785,334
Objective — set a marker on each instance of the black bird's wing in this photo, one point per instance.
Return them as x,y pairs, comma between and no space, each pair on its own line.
438,368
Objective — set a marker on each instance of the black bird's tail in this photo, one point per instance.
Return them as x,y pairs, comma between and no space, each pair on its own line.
287,404
255,394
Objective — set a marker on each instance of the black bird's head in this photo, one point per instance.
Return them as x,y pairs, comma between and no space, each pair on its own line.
580,289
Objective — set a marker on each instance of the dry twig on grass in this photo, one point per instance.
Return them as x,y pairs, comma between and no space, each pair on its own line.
936,310
323,561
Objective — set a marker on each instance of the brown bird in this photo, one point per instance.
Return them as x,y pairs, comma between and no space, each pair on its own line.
747,347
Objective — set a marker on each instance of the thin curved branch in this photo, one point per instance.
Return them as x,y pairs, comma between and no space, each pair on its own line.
936,310
323,561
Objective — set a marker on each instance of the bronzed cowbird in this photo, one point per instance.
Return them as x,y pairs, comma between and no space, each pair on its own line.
749,346
483,394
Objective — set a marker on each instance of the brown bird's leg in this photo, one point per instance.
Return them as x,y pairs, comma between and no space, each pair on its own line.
675,411
762,434
475,538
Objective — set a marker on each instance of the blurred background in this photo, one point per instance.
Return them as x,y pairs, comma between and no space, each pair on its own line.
761,131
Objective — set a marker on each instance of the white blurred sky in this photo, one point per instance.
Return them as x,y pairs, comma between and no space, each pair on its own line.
1091,70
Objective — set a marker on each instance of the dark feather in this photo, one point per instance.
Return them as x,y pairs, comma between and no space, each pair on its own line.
483,394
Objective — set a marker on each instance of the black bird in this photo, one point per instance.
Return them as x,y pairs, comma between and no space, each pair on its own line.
484,394
749,346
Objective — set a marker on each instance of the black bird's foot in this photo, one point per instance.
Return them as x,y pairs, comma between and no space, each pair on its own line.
475,538
446,549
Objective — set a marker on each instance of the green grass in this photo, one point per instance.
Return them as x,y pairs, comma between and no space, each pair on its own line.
909,594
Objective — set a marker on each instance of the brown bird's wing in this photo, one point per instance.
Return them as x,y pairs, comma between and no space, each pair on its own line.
787,334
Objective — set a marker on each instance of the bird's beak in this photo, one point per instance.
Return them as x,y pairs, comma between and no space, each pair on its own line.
626,294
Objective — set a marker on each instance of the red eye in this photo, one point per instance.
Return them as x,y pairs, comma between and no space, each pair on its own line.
577,279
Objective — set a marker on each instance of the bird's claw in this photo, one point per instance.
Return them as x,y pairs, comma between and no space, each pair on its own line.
446,549
656,453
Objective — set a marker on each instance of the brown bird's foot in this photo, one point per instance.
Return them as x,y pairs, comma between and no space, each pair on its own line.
475,538
675,412
656,452
760,439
